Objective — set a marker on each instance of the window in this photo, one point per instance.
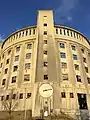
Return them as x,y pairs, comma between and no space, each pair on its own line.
73,47
14,79
19,35
68,32
74,57
77,35
63,55
71,95
60,31
7,61
15,68
28,95
18,49
45,24
86,69
33,31
45,64
64,65
78,78
4,81
26,77
56,31
88,79
45,77
82,50
63,95
17,58
62,45
1,65
84,59
45,32
13,96
9,52
45,41
64,32
28,55
22,33
65,76
6,70
21,96
2,56
26,32
71,33
29,46
30,32
7,97
74,35
45,52
76,67
16,36
27,66
2,98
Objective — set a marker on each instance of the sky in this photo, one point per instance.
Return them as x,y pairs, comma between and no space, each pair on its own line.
16,14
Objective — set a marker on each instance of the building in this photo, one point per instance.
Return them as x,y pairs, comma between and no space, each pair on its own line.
48,68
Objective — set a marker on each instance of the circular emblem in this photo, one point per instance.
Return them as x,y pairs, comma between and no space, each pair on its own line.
46,90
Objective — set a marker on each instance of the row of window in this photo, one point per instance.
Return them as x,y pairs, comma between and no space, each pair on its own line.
14,96
68,33
29,46
63,95
22,34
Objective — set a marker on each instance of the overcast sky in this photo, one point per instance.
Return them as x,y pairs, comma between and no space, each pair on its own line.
15,14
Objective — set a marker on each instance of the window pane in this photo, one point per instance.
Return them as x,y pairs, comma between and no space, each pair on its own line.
74,57
63,55
14,79
45,77
76,67
4,81
78,78
27,66
15,68
29,46
64,65
73,47
28,55
17,58
62,45
63,95
71,95
65,76
26,77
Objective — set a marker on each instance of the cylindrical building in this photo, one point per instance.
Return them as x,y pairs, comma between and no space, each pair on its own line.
46,69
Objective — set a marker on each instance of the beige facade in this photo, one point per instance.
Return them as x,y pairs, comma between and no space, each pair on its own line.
48,68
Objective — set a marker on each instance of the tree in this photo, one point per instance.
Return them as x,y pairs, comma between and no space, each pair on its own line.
10,103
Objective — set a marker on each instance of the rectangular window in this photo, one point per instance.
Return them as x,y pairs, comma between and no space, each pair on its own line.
88,79
19,35
14,96
26,32
65,76
7,97
74,35
17,58
21,96
18,49
27,66
68,32
26,77
63,55
63,95
15,68
7,61
4,81
45,52
45,24
29,46
86,69
62,45
84,59
6,70
22,33
28,55
71,95
45,41
82,50
71,33
78,78
73,47
45,32
75,57
30,32
33,31
76,67
45,64
56,31
2,98
60,31
64,65
45,77
28,95
14,79
64,32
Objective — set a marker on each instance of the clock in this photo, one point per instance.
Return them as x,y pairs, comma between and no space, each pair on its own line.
46,90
